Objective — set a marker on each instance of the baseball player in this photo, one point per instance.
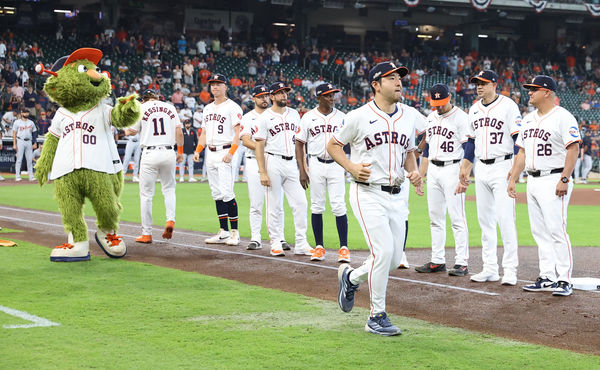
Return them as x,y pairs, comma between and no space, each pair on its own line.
494,122
381,135
586,158
133,148
220,134
275,150
1,178
190,141
160,130
316,129
445,135
24,141
549,143
256,191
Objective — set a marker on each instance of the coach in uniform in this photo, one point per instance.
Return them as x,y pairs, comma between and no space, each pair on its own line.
221,137
24,141
381,135
317,127
494,122
549,144
159,130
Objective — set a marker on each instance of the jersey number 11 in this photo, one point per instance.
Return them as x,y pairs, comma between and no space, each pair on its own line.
162,126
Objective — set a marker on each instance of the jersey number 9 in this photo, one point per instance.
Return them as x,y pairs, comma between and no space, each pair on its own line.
220,129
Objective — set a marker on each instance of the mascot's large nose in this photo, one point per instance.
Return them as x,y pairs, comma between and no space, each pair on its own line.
94,75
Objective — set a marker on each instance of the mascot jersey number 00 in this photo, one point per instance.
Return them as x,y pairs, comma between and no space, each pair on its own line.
80,153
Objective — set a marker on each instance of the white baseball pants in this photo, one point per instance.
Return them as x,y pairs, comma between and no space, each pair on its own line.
157,163
189,160
24,148
132,148
327,177
220,175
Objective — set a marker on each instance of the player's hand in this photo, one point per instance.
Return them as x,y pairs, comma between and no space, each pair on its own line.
415,179
264,179
227,158
179,158
16,148
196,157
460,188
419,190
34,146
360,171
464,178
304,179
561,189
0,143
512,189
509,174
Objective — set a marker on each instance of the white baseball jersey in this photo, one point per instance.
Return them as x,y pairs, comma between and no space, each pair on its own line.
24,129
445,134
219,121
279,131
85,140
250,122
492,127
317,129
380,139
545,139
158,124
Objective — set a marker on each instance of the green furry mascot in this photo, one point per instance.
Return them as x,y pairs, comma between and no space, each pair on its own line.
80,153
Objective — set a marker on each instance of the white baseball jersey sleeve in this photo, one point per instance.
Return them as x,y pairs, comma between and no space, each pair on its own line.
382,140
85,140
317,129
545,139
492,127
24,129
279,131
445,134
250,122
219,121
158,124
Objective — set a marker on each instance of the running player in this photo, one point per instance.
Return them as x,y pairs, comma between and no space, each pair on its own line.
159,130
316,129
381,135
221,135
549,143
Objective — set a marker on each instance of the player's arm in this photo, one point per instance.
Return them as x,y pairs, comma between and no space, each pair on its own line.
0,137
260,159
234,144
466,166
15,141
300,156
410,165
424,161
129,132
514,173
200,146
360,171
179,142
570,160
248,142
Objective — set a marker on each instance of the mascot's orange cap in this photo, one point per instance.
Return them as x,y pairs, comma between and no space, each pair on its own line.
91,54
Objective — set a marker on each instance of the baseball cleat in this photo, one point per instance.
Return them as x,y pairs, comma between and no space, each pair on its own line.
563,289
318,254
303,250
484,276
404,262
344,255
168,233
381,325
146,239
111,244
347,289
221,237
458,270
285,245
509,278
181,179
431,267
71,251
277,252
541,285
17,179
191,179
135,179
234,238
253,245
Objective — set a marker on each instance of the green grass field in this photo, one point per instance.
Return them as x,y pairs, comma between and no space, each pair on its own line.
119,314
196,211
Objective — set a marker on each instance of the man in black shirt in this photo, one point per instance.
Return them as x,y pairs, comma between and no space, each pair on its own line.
190,140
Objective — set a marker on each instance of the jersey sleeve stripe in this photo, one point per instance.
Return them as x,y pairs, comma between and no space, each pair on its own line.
337,141
571,142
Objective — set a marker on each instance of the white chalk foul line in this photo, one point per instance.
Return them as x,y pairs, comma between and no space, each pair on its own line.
278,259
37,321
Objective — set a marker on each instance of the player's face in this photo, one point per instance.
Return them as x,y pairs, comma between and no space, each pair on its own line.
261,101
537,95
390,87
280,98
326,100
485,89
218,89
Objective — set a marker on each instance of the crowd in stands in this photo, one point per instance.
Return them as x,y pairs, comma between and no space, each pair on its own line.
179,68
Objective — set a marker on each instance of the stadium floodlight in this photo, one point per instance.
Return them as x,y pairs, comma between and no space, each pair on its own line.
459,34
64,11
482,36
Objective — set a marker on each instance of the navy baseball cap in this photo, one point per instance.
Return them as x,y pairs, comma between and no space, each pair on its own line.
326,88
217,77
278,86
150,92
386,68
24,110
542,82
259,90
440,95
486,76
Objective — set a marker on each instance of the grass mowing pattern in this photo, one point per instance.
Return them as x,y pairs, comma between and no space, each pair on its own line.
196,211
122,314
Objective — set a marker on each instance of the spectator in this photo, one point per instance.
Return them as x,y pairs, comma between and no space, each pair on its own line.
123,67
43,123
201,46
177,99
182,45
188,72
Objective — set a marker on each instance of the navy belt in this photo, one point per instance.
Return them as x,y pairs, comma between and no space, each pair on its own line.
325,160
388,189
159,147
539,173
444,163
496,160
24,139
215,148
282,156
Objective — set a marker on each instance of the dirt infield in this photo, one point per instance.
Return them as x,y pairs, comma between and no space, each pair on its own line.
571,323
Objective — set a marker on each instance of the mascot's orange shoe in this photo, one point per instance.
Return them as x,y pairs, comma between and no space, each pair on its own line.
144,239
168,233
